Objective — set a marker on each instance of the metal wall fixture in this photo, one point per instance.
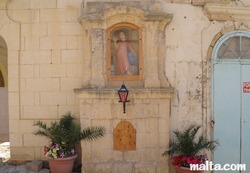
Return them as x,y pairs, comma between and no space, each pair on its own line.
123,95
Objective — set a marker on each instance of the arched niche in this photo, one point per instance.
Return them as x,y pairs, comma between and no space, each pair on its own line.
98,17
124,40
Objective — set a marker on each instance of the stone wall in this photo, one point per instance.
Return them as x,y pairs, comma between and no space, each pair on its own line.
44,41
4,124
148,111
49,56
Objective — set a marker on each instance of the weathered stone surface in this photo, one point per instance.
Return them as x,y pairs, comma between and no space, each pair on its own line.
35,165
3,4
227,13
19,169
145,121
203,2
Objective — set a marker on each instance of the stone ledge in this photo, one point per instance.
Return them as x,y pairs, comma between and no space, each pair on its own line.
203,2
225,12
111,93
100,11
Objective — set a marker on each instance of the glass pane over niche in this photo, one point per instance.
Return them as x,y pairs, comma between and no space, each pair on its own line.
124,52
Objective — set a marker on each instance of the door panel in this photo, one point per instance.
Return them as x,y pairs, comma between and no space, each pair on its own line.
230,104
245,117
227,109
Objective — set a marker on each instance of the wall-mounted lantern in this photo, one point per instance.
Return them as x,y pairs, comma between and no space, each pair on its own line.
123,95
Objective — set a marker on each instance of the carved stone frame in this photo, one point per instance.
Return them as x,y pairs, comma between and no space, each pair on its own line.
97,20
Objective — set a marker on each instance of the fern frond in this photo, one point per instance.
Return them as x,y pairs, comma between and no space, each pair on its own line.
67,131
186,142
92,133
40,124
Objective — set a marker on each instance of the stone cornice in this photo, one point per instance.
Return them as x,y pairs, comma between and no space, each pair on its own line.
111,93
203,2
101,11
198,2
226,12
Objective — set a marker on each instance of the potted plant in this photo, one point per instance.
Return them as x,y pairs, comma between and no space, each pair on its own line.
64,135
188,150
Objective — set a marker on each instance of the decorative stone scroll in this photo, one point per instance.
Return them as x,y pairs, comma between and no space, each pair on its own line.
124,136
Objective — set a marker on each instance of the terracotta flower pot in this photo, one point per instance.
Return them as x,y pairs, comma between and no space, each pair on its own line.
185,170
62,165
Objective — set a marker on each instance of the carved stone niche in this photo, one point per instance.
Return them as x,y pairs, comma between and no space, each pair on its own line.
98,17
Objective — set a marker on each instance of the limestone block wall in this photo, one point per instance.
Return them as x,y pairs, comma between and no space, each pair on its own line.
44,41
49,56
148,111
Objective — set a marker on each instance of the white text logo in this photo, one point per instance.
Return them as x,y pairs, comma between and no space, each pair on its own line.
209,166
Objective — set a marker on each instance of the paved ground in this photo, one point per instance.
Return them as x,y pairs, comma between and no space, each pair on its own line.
4,151
5,156
18,169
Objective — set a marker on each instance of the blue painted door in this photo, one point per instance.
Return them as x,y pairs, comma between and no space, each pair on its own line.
246,116
231,109
231,99
227,112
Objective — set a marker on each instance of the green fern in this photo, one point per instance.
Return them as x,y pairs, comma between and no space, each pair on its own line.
66,130
187,144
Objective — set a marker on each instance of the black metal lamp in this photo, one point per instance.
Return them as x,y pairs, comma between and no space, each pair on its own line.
123,95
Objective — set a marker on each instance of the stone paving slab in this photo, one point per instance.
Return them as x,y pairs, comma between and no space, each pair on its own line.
6,167
19,169
5,156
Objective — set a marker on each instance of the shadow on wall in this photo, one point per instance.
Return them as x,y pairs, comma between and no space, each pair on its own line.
4,123
1,80
4,113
